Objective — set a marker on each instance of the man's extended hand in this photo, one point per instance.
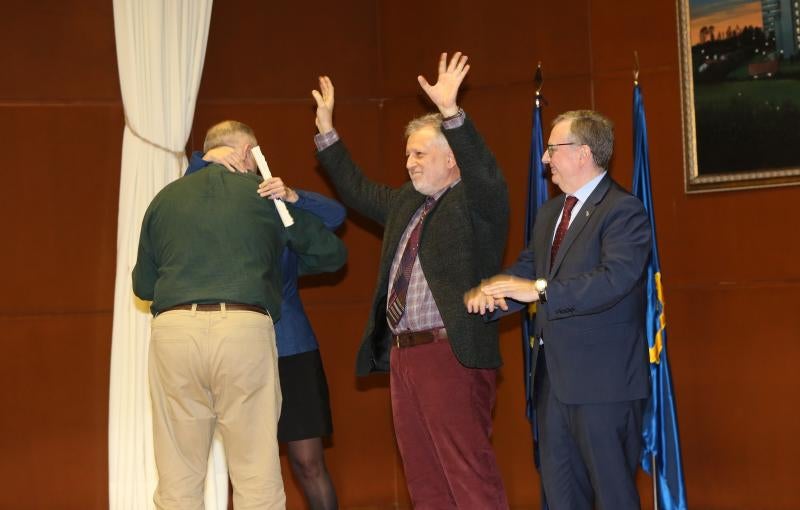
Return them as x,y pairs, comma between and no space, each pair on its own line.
274,188
507,286
324,99
477,301
228,157
444,92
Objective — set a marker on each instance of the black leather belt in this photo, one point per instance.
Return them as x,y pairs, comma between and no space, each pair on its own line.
413,338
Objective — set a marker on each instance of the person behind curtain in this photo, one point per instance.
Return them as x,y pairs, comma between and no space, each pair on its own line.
585,268
305,412
443,231
209,259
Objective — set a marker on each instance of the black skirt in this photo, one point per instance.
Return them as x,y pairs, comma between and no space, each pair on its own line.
306,409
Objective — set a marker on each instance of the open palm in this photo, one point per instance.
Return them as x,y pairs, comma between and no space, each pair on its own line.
443,93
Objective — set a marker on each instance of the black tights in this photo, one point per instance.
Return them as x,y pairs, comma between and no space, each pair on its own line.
308,465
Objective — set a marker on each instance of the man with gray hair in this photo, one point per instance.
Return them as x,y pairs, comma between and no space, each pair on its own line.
585,269
443,232
209,259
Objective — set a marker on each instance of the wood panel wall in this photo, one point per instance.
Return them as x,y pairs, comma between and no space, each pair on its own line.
729,260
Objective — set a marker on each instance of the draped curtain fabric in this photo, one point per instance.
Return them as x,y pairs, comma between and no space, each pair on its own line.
160,52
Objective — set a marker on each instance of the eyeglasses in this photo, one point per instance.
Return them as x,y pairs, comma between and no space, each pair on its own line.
551,147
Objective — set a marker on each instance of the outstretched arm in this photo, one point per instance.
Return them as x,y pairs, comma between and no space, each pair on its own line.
355,189
444,92
508,286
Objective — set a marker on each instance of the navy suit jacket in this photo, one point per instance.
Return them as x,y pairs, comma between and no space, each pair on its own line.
592,324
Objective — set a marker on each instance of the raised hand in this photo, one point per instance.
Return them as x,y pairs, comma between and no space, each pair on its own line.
444,92
324,99
274,188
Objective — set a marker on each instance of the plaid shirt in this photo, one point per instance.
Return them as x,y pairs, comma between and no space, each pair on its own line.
421,312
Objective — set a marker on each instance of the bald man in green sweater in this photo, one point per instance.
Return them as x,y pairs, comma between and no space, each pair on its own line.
209,259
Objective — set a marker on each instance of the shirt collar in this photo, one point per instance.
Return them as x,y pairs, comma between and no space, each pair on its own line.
584,191
438,194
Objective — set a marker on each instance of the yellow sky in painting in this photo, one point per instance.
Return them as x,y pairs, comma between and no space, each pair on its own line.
742,15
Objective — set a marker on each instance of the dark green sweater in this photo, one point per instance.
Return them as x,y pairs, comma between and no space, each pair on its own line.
210,238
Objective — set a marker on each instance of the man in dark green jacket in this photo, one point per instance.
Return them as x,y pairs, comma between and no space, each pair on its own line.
209,259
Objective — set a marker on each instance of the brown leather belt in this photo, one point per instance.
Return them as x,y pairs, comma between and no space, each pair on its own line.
217,307
413,338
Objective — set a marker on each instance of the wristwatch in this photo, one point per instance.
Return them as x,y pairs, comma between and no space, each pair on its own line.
541,287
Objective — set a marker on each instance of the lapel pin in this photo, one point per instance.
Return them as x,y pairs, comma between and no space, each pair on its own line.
587,214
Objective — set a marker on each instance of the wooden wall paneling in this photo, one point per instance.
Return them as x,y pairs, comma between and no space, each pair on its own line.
504,41
278,49
732,351
54,389
63,169
58,50
617,30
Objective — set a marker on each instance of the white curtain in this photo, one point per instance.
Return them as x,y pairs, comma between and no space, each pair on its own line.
161,46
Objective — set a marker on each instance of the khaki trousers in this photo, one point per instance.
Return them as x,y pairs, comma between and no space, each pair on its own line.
215,370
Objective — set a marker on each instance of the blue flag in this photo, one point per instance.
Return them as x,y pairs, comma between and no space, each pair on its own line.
537,195
661,450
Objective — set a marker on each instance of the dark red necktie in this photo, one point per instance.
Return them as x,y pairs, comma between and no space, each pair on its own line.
397,301
563,225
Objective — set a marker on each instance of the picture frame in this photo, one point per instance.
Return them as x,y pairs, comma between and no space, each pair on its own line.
740,93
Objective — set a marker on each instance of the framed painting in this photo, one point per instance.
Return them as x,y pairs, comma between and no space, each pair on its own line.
740,92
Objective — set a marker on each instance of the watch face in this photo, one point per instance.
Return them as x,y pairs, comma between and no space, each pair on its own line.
541,285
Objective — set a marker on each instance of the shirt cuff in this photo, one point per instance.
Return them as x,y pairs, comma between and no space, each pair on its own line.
456,121
325,140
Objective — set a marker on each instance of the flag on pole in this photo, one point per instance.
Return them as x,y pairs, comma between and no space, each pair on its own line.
537,195
661,452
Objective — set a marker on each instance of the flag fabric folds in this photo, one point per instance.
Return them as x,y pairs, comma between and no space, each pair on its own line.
661,453
537,195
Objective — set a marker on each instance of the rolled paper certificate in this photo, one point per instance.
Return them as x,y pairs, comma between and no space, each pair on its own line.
283,212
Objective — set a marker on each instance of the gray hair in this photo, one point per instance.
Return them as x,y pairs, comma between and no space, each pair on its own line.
225,133
431,120
592,129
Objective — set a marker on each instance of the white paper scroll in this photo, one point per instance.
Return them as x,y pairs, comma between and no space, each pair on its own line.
283,212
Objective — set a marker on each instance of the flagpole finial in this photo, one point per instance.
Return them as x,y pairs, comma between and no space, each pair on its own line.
635,67
539,80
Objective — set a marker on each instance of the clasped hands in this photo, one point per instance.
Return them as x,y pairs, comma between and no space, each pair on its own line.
491,294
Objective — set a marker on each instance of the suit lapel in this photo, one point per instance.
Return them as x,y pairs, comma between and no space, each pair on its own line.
577,225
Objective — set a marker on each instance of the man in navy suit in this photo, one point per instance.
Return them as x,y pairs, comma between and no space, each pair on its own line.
584,268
